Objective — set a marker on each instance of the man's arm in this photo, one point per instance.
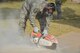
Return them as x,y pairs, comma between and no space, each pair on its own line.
23,14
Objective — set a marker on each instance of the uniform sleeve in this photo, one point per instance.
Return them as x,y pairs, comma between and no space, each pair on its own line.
32,16
23,13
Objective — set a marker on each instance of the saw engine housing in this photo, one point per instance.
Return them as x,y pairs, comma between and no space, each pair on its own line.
49,40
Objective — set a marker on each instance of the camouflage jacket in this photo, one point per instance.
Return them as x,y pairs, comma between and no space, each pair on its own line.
30,9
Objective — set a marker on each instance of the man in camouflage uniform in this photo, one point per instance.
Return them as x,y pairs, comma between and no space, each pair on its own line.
58,8
29,11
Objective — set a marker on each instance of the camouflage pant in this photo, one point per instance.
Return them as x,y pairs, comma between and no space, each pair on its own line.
58,8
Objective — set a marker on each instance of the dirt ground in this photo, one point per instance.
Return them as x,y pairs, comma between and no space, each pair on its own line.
12,40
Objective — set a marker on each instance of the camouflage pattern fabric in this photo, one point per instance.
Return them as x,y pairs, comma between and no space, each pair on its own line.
29,11
58,8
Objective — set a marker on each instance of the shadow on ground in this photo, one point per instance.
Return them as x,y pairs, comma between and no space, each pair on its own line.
53,47
69,17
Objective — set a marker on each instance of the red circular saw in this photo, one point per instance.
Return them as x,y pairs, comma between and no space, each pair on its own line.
48,41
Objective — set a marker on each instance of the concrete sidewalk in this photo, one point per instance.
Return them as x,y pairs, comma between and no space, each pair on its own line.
13,41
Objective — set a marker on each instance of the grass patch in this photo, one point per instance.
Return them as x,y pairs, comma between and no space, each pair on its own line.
14,5
70,21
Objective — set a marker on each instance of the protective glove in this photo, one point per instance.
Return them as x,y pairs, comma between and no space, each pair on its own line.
36,30
45,33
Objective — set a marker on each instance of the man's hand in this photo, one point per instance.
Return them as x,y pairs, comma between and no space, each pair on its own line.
45,33
36,30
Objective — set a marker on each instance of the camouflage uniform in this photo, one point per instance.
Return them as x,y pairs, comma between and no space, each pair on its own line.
29,11
58,8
